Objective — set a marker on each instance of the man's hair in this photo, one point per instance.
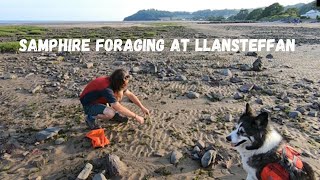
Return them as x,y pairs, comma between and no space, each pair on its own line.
117,79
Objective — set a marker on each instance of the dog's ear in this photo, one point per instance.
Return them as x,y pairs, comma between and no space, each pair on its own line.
248,109
262,120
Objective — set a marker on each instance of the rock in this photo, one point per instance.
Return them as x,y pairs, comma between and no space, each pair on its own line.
195,156
259,101
181,78
286,100
228,118
114,166
269,56
135,69
59,141
206,78
175,157
214,97
99,176
238,96
257,65
246,88
84,174
208,117
37,89
89,65
159,153
47,133
294,114
251,54
236,80
313,114
226,72
196,149
193,95
207,158
10,76
302,110
245,67
153,69
119,63
200,144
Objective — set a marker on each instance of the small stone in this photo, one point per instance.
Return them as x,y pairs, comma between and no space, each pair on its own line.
257,65
236,80
193,95
135,69
99,176
259,101
246,88
196,149
313,114
228,118
251,54
175,157
286,100
200,144
269,56
37,89
238,96
181,78
245,67
207,158
89,65
84,174
195,156
208,117
294,114
226,72
119,63
59,141
206,78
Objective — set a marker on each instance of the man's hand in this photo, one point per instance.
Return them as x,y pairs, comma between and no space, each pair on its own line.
140,119
145,110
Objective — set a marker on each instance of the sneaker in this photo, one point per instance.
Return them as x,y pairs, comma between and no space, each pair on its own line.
91,122
118,118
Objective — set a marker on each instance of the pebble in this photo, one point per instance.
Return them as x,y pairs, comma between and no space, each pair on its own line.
196,149
294,114
84,174
245,67
175,157
269,56
313,114
193,95
207,158
238,96
135,69
246,88
226,72
302,110
251,54
228,118
236,80
181,78
259,101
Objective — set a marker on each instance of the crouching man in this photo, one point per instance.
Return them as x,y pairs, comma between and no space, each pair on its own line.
104,91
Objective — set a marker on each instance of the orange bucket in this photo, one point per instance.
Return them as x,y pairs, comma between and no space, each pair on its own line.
98,139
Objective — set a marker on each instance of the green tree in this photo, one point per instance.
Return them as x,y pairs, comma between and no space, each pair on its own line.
273,9
242,15
294,12
255,14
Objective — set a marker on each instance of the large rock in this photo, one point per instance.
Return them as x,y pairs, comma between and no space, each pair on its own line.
114,166
86,171
47,133
207,158
175,157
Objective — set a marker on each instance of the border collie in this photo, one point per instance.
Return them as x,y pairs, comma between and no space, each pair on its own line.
259,145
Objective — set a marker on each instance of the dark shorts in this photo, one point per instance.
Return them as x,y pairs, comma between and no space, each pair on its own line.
94,109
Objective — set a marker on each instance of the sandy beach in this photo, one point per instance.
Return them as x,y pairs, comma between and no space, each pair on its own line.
193,97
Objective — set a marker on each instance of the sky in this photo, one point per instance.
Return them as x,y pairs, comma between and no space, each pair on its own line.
115,10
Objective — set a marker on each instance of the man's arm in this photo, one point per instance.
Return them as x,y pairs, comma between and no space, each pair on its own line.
136,101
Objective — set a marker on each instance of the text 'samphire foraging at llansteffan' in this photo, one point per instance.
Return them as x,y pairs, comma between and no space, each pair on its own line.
154,45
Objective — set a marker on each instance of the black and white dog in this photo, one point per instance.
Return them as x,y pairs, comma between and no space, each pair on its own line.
258,144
